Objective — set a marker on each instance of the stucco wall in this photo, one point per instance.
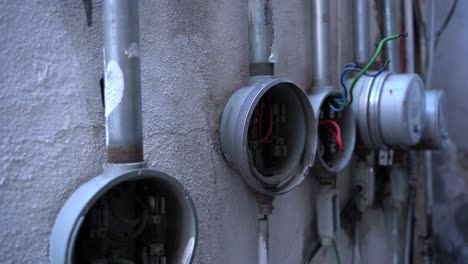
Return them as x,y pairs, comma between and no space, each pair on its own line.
194,56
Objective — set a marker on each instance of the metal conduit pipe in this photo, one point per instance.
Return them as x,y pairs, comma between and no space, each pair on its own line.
357,259
394,235
321,43
410,38
413,175
261,38
399,185
361,39
429,199
390,25
412,155
122,93
264,209
263,240
427,153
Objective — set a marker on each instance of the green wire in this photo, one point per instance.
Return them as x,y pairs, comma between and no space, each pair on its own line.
372,60
336,253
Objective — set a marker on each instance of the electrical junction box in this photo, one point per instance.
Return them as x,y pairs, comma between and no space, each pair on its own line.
336,133
269,134
131,215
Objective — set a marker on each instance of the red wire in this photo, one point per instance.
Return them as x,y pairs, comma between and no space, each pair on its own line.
260,121
337,135
270,130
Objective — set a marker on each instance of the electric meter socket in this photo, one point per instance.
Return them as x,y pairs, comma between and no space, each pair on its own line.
435,133
87,225
389,109
330,158
269,134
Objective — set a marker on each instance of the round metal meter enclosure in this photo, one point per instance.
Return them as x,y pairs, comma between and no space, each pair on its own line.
389,109
132,216
336,133
268,134
435,133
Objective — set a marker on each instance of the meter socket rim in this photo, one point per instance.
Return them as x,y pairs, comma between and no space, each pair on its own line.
348,133
235,122
72,215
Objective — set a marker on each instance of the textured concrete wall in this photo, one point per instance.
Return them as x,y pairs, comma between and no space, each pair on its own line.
194,56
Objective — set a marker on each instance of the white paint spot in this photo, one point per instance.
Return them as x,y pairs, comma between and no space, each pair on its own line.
114,86
262,250
188,251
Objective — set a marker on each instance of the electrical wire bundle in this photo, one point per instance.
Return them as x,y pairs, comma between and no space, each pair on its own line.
335,134
265,138
343,101
339,104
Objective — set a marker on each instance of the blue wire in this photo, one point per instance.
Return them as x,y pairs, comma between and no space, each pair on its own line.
351,67
346,70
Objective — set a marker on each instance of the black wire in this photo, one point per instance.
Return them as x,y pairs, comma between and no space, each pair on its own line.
448,18
420,20
88,6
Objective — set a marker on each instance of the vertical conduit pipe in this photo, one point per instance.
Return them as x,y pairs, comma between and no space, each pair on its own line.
321,43
263,240
261,38
124,137
409,40
357,244
429,200
390,25
394,234
413,175
427,153
361,36
262,59
412,155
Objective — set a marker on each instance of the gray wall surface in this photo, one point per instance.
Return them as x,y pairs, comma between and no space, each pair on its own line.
194,56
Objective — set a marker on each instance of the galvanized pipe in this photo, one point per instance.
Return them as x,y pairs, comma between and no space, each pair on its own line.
390,17
409,40
429,190
261,37
321,43
263,240
395,238
362,31
357,244
413,175
124,137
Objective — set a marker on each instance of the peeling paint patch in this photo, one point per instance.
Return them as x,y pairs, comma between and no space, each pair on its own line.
133,51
